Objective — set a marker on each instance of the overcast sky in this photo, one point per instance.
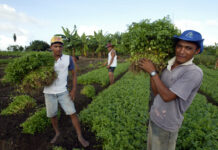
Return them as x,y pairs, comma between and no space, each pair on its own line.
41,19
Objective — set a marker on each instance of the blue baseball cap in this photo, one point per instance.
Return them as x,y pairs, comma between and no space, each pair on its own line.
191,36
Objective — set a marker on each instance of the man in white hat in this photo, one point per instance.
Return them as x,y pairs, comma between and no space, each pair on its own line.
57,91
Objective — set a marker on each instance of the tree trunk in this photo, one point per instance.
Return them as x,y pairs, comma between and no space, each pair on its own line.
74,50
93,54
99,54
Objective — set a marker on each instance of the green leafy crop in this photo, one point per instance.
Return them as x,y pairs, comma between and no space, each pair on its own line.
18,105
37,123
89,91
100,76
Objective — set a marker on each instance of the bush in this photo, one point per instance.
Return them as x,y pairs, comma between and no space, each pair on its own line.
38,45
89,91
15,48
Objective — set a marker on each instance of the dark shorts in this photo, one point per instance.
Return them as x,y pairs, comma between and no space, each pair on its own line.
111,69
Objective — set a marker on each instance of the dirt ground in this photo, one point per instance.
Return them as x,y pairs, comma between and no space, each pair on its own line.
11,137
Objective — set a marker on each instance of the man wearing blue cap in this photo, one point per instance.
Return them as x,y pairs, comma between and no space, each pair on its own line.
173,91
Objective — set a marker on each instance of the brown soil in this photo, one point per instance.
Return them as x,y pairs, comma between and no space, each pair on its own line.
11,136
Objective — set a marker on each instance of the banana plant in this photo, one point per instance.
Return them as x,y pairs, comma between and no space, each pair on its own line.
85,47
72,40
92,44
101,42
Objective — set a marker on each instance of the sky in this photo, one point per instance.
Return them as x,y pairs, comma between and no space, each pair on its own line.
41,19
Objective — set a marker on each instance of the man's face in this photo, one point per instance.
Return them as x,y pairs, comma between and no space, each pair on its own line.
185,51
57,49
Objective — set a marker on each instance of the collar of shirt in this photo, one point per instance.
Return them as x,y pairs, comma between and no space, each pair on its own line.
172,60
59,58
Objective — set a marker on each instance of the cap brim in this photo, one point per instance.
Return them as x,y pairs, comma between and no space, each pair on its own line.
186,39
57,42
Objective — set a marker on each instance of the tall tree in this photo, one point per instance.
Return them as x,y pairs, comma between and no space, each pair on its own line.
38,45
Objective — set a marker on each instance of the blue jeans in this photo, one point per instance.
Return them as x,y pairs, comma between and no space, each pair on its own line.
159,139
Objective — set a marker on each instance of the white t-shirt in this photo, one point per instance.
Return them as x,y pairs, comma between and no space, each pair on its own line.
61,67
114,63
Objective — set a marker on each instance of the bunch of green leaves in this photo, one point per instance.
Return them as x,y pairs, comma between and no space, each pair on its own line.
18,105
119,114
20,67
35,81
100,76
37,123
151,40
88,91
199,129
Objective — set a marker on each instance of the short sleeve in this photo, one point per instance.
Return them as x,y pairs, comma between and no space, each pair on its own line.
184,86
71,64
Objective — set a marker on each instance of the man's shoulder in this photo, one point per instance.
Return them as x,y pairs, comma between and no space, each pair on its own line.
197,69
193,71
64,55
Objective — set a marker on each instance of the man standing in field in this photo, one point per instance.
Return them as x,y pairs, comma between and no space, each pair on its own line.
112,62
173,91
57,91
